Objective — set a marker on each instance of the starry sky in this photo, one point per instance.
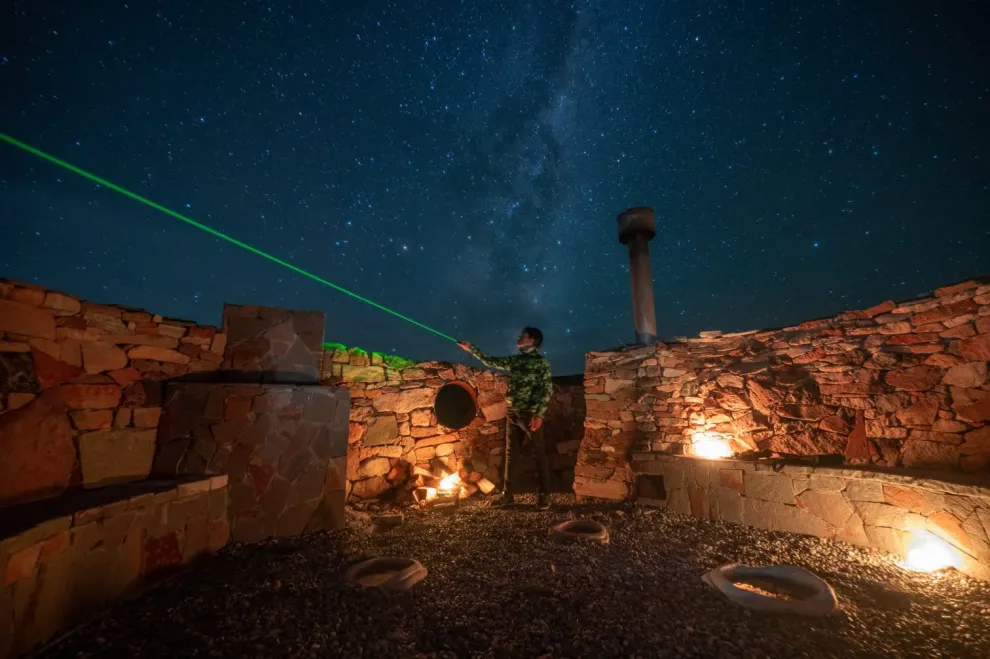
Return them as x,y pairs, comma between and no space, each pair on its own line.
464,162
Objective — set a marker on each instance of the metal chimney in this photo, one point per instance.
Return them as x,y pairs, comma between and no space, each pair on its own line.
637,226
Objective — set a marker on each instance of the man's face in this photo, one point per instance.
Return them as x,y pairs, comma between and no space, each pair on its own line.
525,341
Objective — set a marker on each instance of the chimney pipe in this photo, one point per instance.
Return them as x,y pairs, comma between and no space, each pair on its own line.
637,226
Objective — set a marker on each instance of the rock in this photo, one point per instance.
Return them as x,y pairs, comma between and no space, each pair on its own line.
91,396
918,378
970,374
421,417
157,354
370,488
52,371
405,401
732,479
363,373
913,499
495,412
374,467
37,449
834,424
922,413
16,401
772,515
768,487
976,348
977,410
146,417
61,302
98,357
857,445
858,489
116,456
763,399
18,318
436,440
382,431
92,419
803,412
934,455
947,526
728,400
976,442
485,485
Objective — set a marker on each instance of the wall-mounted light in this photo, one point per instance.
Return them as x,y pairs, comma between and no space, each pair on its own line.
710,446
929,553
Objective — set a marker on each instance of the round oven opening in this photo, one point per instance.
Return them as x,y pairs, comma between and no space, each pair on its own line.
456,405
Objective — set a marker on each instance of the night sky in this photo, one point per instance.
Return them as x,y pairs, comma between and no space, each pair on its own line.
463,162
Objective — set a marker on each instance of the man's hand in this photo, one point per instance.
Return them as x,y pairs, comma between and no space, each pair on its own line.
464,345
535,423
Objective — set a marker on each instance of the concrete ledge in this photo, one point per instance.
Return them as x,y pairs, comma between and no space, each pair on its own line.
887,510
63,559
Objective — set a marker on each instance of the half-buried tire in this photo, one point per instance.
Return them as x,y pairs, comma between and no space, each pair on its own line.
808,595
387,573
579,530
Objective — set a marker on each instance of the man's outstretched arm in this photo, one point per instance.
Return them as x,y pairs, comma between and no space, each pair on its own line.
504,363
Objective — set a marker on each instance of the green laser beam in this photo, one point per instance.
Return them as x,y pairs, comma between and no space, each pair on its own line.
212,231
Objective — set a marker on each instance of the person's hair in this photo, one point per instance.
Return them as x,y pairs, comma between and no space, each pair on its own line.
534,334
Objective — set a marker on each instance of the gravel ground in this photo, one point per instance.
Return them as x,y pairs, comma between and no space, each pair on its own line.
497,587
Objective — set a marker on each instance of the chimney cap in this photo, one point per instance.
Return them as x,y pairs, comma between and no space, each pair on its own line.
638,221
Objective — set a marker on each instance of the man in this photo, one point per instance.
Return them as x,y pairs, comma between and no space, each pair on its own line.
530,387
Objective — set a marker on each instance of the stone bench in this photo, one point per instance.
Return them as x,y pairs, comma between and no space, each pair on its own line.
65,558
884,509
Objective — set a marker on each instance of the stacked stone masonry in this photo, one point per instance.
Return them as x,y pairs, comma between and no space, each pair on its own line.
86,380
869,508
284,448
394,428
268,344
60,569
896,385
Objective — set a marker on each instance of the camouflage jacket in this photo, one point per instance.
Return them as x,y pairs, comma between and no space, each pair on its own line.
530,383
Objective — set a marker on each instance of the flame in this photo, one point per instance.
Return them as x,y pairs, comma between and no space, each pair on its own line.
709,446
928,553
449,483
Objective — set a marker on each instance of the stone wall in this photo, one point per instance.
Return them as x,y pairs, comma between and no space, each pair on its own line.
394,428
870,508
64,560
86,380
896,385
268,344
563,429
284,448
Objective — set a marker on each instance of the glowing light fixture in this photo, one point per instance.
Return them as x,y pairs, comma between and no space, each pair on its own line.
709,446
929,553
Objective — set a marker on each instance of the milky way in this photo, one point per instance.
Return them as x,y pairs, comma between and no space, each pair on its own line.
463,162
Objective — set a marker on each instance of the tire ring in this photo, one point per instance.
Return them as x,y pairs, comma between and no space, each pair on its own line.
405,573
823,600
579,530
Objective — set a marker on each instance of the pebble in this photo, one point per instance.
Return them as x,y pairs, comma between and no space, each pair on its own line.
499,587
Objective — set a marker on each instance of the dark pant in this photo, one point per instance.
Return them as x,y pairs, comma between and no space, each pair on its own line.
516,432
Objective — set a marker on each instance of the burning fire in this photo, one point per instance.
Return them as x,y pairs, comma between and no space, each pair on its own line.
928,553
709,446
449,483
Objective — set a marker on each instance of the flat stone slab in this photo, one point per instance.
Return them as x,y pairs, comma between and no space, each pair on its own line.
116,455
